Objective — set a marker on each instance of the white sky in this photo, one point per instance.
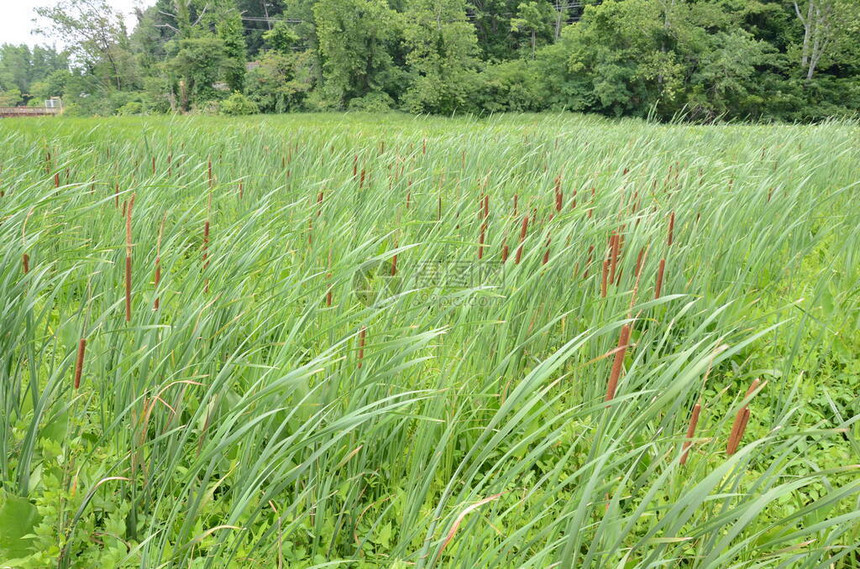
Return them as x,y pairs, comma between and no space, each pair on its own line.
16,18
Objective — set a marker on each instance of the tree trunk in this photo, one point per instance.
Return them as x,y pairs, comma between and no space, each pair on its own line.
558,16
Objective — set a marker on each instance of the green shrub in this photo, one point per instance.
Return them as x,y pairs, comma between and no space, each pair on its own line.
238,104
372,103
130,108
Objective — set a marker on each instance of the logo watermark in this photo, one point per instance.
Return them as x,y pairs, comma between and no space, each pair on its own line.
442,283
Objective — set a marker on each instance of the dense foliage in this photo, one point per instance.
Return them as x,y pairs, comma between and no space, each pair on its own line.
309,341
793,60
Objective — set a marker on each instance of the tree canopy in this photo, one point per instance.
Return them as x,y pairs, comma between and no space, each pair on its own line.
793,60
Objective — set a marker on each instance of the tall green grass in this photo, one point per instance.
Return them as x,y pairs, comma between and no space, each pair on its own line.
300,398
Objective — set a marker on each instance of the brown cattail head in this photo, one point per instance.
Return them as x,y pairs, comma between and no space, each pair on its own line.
741,420
241,190
26,259
481,241
691,431
671,229
546,253
613,255
504,250
618,362
328,293
605,278
363,176
639,259
659,288
523,230
559,197
361,339
738,431
56,179
79,364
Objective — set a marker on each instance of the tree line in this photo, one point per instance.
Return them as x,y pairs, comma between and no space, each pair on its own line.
703,60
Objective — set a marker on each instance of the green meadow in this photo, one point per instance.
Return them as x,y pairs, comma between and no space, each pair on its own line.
367,341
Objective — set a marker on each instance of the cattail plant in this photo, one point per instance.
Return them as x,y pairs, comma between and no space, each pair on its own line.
659,288
559,196
128,248
691,431
741,419
25,258
362,335
589,261
605,278
618,362
481,241
671,229
79,363
639,259
613,255
523,230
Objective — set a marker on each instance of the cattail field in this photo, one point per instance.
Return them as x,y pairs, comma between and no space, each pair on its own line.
523,341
